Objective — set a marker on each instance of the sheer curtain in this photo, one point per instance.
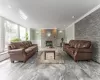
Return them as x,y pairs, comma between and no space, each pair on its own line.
11,31
8,31
22,33
2,34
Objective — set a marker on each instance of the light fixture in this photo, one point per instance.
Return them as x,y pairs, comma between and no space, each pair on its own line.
48,34
22,15
60,31
73,16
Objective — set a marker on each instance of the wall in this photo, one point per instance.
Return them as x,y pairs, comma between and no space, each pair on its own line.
70,33
35,36
59,36
32,34
89,29
2,35
2,40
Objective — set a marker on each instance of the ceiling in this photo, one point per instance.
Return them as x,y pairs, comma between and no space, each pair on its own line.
46,13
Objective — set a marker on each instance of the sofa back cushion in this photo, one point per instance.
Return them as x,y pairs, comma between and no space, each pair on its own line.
80,43
21,44
17,45
30,43
27,43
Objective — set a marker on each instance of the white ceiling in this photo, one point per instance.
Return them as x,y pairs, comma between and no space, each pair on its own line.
46,13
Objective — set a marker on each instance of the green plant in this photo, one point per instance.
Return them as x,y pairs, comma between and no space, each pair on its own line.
15,39
26,36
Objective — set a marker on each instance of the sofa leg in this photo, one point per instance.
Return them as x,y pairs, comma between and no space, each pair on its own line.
75,60
24,61
12,61
88,60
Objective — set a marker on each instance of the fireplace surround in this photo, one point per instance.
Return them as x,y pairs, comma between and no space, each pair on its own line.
49,44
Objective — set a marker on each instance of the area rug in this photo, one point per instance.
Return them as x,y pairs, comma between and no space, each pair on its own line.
50,58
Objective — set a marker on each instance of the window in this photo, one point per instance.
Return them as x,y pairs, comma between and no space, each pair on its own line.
22,33
11,31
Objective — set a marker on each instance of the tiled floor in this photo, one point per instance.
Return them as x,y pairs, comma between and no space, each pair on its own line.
3,56
31,70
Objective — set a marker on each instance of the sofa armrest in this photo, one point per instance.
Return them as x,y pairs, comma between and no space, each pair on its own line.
66,44
84,50
9,47
83,54
16,51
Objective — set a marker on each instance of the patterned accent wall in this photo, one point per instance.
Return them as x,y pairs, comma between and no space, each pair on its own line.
89,29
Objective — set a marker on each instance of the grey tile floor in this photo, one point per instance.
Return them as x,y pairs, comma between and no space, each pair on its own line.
31,70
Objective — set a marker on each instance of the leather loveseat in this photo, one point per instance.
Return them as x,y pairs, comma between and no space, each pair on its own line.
79,49
21,51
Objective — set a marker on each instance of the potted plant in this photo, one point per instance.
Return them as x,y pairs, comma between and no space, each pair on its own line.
26,36
15,39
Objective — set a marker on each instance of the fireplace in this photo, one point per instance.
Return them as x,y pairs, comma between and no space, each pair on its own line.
49,44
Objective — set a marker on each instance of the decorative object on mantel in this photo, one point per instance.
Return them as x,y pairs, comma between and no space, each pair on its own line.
62,41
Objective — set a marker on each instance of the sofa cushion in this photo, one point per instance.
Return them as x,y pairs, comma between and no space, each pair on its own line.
29,49
71,50
30,43
80,43
13,46
72,43
18,45
85,44
25,44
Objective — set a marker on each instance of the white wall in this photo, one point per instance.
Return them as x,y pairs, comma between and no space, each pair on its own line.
70,33
59,36
2,35
35,37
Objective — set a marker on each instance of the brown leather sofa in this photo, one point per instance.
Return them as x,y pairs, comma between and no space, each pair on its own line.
79,49
21,51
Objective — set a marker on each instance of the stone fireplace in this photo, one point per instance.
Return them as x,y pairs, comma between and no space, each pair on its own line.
48,37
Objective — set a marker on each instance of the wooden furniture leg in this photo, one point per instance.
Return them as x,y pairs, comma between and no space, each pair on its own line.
45,54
